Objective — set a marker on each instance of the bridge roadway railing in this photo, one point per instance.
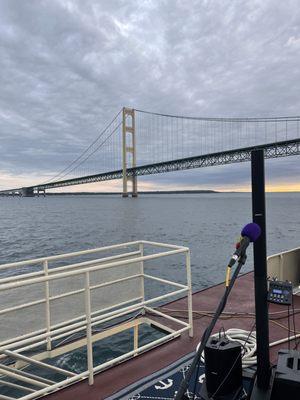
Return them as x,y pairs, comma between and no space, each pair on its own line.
50,309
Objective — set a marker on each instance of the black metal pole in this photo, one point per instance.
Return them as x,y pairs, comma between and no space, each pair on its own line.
260,270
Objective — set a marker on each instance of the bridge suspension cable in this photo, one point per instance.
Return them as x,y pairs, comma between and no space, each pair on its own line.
166,137
80,160
93,152
220,119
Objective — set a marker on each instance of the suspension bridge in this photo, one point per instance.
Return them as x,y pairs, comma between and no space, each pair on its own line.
138,142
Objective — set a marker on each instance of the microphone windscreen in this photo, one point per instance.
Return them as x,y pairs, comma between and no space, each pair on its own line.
252,231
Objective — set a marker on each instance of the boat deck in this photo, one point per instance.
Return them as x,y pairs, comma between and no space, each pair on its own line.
241,300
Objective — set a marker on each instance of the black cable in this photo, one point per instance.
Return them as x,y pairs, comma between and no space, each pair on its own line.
289,329
196,378
95,330
185,382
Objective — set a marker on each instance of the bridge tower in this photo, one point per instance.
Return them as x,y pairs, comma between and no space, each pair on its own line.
129,150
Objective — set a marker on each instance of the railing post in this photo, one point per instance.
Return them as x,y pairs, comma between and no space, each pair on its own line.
89,341
47,306
189,283
141,249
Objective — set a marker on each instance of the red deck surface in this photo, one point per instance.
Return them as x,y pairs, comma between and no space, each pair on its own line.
240,300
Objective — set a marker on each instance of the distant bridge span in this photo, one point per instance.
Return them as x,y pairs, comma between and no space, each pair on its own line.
177,136
272,150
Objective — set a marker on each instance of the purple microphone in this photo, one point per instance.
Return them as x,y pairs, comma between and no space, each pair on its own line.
250,233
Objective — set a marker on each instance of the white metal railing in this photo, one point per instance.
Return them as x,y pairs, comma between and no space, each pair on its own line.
126,282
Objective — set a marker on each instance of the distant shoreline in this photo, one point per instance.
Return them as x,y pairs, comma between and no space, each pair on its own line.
158,192
140,192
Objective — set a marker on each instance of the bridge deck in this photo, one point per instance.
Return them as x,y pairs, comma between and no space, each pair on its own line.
272,150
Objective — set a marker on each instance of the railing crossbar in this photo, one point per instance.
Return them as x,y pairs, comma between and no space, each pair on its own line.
3,397
16,386
67,255
66,267
40,260
29,360
90,269
25,376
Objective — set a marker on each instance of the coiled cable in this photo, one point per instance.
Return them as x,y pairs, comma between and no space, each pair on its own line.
246,339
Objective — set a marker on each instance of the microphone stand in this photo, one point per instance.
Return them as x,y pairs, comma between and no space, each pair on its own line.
180,395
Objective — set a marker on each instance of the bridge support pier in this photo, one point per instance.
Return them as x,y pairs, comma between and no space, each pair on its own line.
41,192
27,192
129,150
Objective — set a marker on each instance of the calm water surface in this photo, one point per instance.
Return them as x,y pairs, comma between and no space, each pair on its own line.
207,223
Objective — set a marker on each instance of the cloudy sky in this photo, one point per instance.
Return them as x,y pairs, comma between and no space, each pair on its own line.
68,66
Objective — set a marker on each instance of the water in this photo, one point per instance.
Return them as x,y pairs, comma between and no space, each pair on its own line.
207,223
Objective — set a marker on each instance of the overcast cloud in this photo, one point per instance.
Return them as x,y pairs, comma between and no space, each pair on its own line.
68,66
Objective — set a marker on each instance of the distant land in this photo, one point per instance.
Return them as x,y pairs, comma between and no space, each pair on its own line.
153,192
120,193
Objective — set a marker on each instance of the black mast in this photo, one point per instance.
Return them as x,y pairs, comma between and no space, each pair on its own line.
260,271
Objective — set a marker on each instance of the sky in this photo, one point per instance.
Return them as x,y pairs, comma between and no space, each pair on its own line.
68,66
